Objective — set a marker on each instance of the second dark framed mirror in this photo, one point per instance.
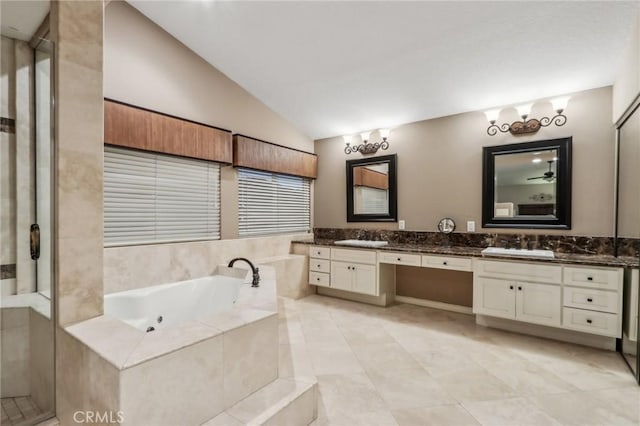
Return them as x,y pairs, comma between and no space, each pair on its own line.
527,185
371,189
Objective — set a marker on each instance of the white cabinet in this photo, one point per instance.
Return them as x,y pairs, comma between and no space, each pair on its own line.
530,302
399,258
347,269
455,263
580,298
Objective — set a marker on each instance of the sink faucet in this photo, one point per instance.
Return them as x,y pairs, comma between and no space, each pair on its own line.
256,275
507,244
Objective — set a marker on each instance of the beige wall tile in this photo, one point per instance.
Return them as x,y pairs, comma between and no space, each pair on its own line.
41,360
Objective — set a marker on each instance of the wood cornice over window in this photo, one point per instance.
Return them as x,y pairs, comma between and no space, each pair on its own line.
371,178
133,127
260,155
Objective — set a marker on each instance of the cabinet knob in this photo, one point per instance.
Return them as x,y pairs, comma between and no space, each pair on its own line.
318,266
444,263
589,321
520,288
317,278
510,287
589,299
399,259
589,278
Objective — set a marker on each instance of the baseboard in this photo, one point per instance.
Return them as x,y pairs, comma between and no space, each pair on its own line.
585,339
381,300
433,304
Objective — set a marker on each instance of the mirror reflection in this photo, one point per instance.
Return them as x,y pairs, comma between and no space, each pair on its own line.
371,189
526,184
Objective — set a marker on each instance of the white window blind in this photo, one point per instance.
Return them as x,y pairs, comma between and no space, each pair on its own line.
152,197
372,200
271,203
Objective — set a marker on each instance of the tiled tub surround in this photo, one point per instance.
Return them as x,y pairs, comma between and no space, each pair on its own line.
186,374
131,267
564,244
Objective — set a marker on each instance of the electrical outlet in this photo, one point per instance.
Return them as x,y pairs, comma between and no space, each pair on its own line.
471,226
401,224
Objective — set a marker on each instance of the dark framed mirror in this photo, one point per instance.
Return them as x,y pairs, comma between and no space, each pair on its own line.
527,185
371,190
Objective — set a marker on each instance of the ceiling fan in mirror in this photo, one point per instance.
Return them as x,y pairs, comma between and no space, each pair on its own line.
549,175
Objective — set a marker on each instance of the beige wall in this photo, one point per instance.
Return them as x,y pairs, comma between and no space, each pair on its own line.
627,84
440,167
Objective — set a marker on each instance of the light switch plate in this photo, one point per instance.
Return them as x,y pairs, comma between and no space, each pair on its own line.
401,224
471,226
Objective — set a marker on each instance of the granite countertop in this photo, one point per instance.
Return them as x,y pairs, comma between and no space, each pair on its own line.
570,258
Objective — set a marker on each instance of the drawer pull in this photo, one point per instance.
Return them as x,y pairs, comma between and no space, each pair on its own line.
589,299
318,266
510,287
399,259
589,321
444,263
589,278
317,278
520,288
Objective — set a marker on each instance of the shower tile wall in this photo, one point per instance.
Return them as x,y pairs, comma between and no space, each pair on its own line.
17,208
7,169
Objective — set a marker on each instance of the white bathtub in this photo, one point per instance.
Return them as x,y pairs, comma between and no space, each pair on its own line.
166,305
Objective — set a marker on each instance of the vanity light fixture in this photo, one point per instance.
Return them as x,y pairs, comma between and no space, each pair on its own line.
366,147
527,125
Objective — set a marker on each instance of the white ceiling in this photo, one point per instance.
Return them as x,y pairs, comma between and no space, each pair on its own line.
21,19
334,68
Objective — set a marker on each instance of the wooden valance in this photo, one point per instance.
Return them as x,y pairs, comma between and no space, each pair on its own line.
260,155
139,128
370,178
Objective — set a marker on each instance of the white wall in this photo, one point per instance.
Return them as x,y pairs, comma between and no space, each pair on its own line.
627,84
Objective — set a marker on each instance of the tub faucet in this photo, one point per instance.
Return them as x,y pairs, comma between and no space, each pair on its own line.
256,275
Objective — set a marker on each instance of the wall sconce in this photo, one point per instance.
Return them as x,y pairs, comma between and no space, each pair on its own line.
530,125
365,147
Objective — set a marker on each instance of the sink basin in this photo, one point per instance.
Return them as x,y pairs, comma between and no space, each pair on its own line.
499,251
362,243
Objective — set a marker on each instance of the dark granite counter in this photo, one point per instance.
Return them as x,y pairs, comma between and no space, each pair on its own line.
566,258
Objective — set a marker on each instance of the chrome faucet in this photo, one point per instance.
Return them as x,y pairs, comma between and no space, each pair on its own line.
256,275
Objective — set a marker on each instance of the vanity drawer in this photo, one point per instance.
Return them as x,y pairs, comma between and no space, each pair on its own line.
358,256
604,279
442,262
519,271
591,322
596,300
319,278
399,258
319,265
319,252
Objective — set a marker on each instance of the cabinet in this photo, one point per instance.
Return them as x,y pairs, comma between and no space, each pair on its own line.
586,299
522,301
344,269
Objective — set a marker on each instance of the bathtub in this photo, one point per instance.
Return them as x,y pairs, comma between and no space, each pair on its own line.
166,305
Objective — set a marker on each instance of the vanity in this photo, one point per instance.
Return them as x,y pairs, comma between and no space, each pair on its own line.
569,293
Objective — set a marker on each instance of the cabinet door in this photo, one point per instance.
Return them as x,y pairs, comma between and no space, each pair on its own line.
538,303
341,276
494,297
364,279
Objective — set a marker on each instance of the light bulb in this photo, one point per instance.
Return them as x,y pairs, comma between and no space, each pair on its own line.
347,139
536,160
524,110
492,115
365,136
384,133
559,104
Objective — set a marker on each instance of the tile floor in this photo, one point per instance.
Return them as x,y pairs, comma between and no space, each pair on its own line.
409,365
20,410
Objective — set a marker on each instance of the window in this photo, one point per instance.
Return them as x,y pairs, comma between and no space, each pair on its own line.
271,203
152,197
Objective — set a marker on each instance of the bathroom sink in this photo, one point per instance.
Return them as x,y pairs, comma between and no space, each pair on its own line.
362,243
499,251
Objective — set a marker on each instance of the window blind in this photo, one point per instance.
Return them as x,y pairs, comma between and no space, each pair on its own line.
372,200
270,203
152,197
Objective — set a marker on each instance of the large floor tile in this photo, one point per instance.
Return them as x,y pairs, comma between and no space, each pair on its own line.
384,356
512,412
294,360
446,415
407,388
333,359
475,384
343,395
